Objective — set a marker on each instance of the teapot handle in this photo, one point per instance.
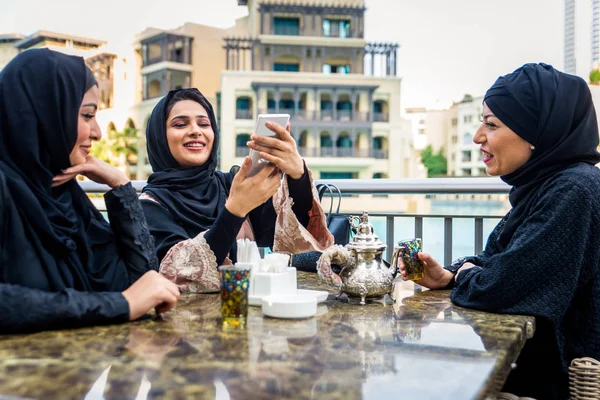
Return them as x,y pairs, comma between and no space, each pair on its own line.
394,262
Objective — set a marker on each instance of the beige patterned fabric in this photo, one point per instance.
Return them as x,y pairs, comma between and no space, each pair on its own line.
290,236
335,254
192,265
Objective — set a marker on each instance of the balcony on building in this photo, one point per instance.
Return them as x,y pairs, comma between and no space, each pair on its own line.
328,142
159,83
102,66
65,43
166,47
10,38
311,20
166,64
315,104
367,59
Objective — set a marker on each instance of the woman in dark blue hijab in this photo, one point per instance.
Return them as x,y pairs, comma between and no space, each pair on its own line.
61,264
540,135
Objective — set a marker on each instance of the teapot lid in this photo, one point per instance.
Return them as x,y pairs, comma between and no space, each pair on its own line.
366,238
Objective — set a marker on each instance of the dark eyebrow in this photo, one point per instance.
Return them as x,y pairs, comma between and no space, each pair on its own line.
90,105
488,116
186,117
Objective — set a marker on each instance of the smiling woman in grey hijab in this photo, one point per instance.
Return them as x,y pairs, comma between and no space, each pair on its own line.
539,134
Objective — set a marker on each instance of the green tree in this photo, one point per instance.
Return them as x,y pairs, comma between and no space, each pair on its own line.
595,77
436,163
118,148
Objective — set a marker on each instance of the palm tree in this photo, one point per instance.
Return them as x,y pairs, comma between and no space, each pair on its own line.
118,148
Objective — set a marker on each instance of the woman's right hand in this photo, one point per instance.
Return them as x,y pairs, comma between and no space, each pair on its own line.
152,290
96,170
247,193
436,277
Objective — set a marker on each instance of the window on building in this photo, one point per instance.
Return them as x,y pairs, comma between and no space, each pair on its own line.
344,142
454,121
466,172
243,109
337,175
285,67
377,143
243,103
326,105
154,89
467,138
326,141
482,172
286,104
242,139
336,69
286,26
336,28
468,119
344,105
466,156
241,149
154,51
378,107
454,139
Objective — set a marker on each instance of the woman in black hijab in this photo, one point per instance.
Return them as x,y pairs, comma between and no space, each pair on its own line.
539,134
195,212
61,264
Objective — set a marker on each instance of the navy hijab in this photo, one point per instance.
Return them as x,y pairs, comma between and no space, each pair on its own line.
40,96
554,112
193,195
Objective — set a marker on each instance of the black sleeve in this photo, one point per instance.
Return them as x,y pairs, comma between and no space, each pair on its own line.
132,235
167,231
301,193
221,236
28,310
537,274
24,309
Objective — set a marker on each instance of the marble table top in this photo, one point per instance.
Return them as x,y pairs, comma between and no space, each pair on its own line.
418,347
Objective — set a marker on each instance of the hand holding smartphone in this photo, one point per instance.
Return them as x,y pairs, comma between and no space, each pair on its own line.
262,130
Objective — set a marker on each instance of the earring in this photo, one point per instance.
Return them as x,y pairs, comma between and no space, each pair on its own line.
532,148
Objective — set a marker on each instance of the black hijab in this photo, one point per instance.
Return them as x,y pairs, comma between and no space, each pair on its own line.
40,95
193,195
554,112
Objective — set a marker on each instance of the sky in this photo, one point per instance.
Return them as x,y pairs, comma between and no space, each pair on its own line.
447,47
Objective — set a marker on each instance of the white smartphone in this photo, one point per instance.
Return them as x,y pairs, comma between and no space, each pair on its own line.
262,130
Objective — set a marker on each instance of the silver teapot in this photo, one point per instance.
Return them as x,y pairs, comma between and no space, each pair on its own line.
366,276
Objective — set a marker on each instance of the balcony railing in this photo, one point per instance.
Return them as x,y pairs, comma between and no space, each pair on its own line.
381,117
340,152
431,186
244,114
322,115
286,30
380,154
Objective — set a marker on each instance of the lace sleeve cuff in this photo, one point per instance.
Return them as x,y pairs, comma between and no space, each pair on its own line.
192,266
290,235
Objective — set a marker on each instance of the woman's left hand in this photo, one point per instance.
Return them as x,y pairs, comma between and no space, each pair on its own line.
280,151
96,170
464,267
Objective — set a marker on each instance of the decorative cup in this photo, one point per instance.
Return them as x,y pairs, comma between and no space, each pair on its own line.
235,282
407,251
